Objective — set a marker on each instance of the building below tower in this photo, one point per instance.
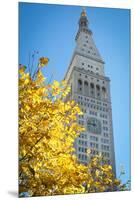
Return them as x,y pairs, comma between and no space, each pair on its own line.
90,88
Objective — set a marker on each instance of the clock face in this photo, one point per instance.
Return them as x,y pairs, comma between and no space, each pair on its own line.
94,125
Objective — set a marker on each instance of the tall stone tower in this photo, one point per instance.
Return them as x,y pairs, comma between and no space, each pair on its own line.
90,88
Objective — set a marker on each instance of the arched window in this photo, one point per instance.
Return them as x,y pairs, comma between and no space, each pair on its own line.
80,82
98,95
79,88
104,93
91,85
92,92
97,87
86,88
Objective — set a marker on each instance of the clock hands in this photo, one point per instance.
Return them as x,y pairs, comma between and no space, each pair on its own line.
94,126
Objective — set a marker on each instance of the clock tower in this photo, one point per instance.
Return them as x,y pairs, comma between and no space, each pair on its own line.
90,88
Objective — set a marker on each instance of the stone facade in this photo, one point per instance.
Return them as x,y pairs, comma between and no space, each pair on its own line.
90,88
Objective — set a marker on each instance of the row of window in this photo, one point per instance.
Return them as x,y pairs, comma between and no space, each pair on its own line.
87,51
96,107
105,128
105,134
81,122
108,162
90,71
82,135
80,82
86,88
90,66
103,140
105,154
82,149
82,142
92,86
81,116
94,145
105,147
94,138
94,113
99,108
105,122
103,116
92,101
82,156
94,152
83,110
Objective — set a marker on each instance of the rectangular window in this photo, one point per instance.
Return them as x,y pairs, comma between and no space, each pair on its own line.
79,148
82,157
79,155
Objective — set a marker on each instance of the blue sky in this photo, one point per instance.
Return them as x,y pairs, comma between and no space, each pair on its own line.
51,30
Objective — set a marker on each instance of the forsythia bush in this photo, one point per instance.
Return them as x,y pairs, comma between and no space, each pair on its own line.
47,130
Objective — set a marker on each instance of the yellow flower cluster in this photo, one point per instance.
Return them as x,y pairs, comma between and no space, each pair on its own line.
43,61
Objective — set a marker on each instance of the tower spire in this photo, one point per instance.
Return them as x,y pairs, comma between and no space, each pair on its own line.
83,21
83,13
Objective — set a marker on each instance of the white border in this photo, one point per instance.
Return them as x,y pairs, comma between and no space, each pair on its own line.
94,3
9,96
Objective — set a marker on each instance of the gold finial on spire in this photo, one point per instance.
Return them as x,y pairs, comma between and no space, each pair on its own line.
83,14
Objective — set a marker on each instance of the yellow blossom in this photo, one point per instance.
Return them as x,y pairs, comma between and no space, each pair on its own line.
43,61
